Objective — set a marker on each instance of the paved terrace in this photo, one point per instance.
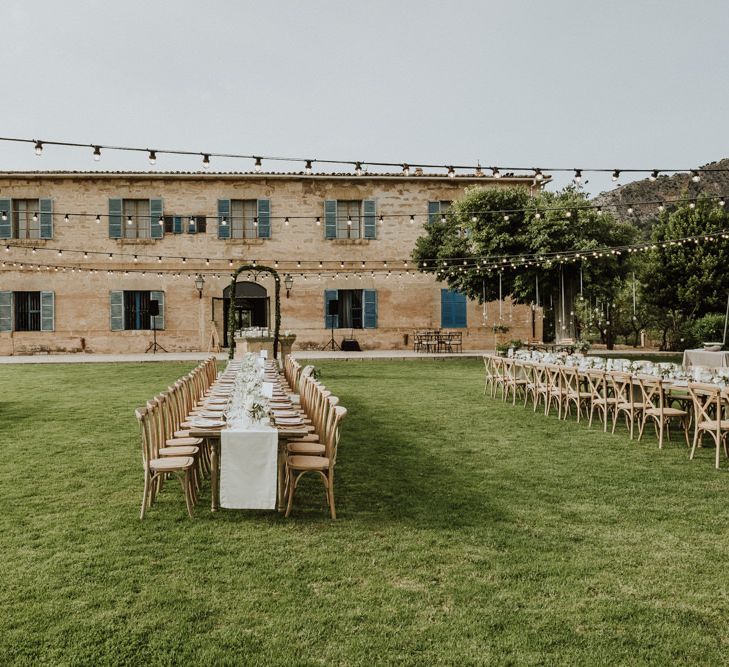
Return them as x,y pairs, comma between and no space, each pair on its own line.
301,354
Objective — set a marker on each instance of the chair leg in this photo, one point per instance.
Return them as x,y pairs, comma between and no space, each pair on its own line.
144,496
696,440
330,494
292,490
186,487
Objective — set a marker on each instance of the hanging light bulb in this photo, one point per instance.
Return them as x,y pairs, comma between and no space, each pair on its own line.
442,217
98,219
695,177
206,161
35,216
318,221
495,173
381,219
257,165
568,214
412,219
358,168
161,221
616,174
630,210
451,172
307,168
537,215
406,170
97,153
599,210
506,217
129,220
474,218
86,255
538,175
60,253
349,221
66,218
722,202
578,176
286,221
4,216
136,259
39,148
152,157
654,175
661,207
692,204
224,221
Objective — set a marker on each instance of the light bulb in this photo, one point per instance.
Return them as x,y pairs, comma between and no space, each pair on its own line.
307,168
616,175
358,168
654,175
538,175
97,153
152,157
406,170
98,219
257,166
412,219
286,222
451,172
39,148
495,172
129,220
35,216
206,161
578,175
695,177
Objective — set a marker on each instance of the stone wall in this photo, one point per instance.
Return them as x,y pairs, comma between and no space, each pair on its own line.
82,318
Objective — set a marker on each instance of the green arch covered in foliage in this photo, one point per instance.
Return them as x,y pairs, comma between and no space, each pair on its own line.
256,270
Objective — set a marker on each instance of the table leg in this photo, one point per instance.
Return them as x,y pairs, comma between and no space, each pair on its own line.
214,472
280,488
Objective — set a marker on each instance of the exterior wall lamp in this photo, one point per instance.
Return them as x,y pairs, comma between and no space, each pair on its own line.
288,283
199,284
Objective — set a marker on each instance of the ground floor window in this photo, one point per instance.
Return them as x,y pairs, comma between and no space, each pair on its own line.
27,311
452,310
350,308
134,310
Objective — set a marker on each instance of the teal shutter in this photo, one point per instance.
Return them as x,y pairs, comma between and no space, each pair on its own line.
6,311
264,218
46,218
156,211
369,210
370,308
115,218
48,314
330,219
452,310
223,213
433,212
116,310
6,226
159,320
330,320
177,224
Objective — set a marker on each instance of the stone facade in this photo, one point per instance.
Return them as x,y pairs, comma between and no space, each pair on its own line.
82,320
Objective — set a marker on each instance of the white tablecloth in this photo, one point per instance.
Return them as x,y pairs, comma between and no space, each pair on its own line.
705,359
248,468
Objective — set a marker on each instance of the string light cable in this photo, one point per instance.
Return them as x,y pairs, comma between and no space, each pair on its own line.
538,173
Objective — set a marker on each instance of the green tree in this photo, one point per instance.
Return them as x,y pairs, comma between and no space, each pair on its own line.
517,236
685,280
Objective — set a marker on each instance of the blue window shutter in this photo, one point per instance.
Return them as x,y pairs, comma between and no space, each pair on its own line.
370,308
223,214
329,320
159,320
156,211
177,224
6,311
6,226
264,218
369,210
452,310
116,310
46,218
115,218
433,212
48,311
330,219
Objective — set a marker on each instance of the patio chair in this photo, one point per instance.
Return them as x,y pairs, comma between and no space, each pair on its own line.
657,410
624,392
709,403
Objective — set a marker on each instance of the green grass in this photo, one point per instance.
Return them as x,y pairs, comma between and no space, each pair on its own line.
470,532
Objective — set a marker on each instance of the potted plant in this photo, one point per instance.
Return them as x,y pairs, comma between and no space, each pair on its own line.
500,331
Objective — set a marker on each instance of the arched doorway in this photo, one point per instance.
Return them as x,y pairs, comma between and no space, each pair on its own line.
252,306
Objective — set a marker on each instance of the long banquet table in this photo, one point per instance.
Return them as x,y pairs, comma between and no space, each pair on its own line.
705,359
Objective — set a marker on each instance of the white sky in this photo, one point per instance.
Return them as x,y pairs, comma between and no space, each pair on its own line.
625,83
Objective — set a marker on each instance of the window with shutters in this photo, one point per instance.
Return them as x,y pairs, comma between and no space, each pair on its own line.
356,308
349,219
27,311
136,222
132,310
244,218
185,224
26,218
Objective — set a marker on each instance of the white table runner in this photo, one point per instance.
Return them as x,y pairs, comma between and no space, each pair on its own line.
705,358
248,468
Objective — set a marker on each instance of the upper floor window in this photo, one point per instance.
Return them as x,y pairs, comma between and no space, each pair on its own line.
244,218
26,218
136,219
437,210
185,224
350,218
27,311
350,308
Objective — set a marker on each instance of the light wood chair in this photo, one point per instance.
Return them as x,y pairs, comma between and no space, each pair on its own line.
156,467
709,403
514,380
298,465
657,410
624,392
601,398
556,392
573,392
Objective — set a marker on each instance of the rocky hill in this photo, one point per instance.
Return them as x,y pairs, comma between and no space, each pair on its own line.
662,189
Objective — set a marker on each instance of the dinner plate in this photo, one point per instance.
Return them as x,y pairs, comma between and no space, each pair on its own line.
211,413
289,421
285,414
208,423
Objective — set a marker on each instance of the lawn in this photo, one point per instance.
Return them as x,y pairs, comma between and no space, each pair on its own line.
469,532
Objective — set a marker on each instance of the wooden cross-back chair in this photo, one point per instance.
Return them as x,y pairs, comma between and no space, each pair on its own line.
710,407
